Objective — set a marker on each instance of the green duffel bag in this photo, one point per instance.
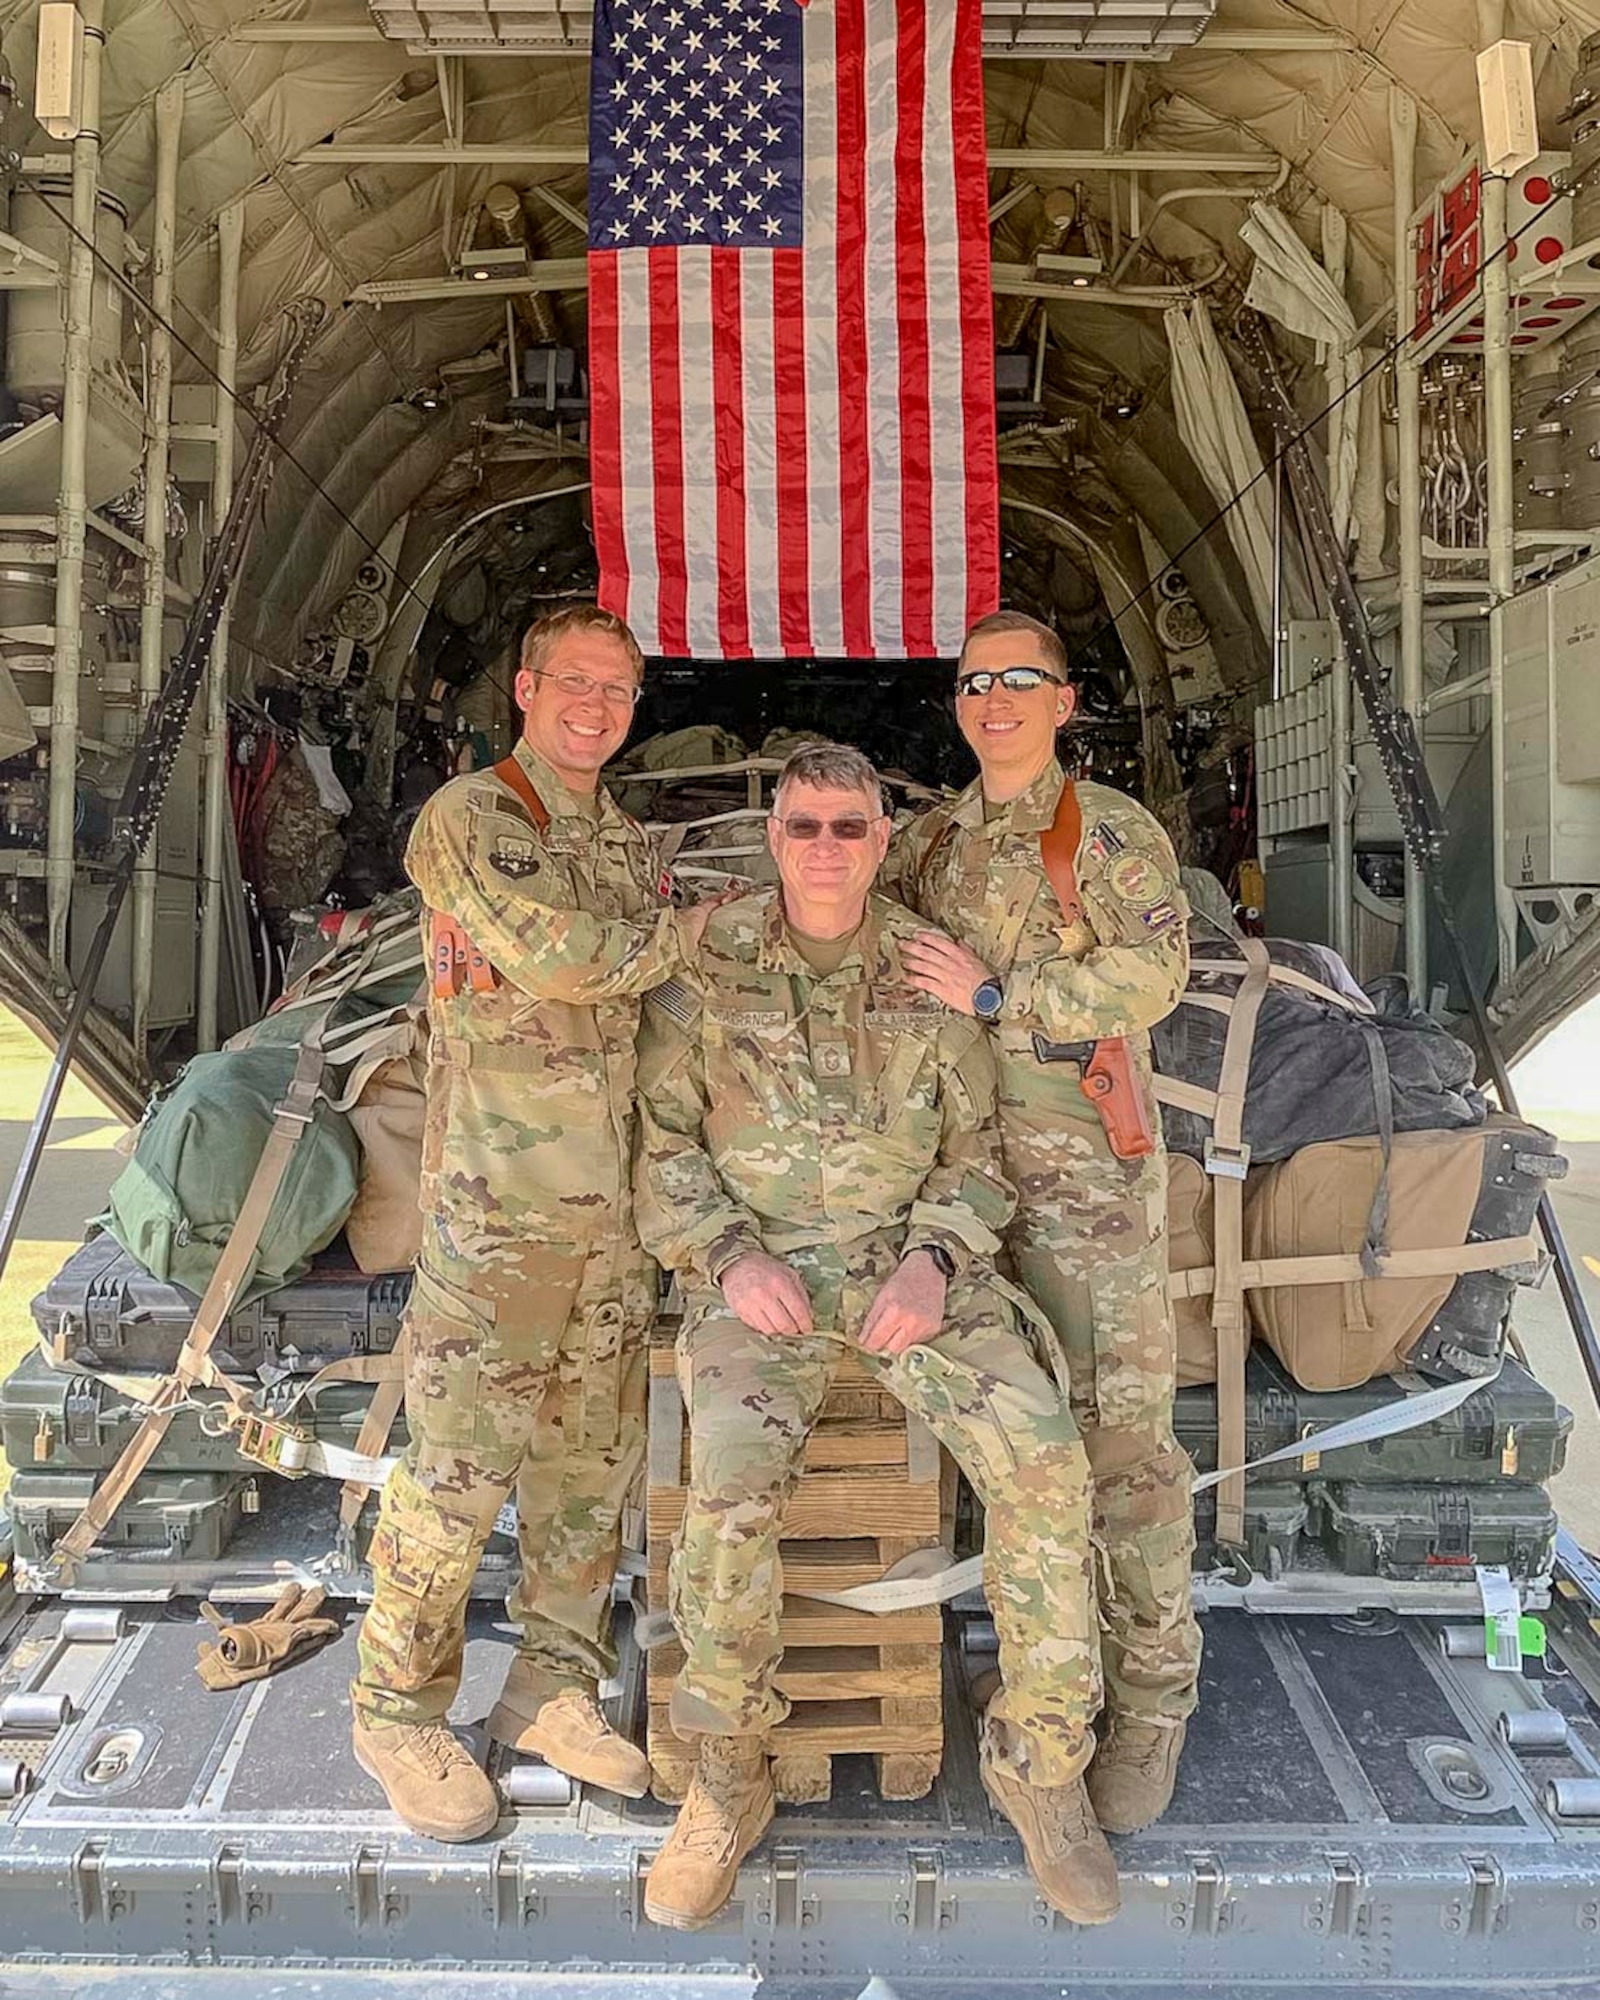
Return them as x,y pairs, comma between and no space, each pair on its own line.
175,1203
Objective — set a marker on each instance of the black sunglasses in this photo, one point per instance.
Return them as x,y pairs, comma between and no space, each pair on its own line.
1015,680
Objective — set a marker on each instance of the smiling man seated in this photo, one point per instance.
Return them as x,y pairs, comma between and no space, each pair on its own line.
817,1160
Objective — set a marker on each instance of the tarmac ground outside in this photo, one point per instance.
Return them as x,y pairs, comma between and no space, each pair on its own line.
1560,1083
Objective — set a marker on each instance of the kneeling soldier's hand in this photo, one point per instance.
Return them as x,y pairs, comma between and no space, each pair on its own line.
909,1308
767,1295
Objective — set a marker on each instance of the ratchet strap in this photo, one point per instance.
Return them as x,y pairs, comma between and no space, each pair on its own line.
289,1123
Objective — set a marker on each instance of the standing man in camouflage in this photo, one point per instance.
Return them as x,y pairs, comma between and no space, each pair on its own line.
1060,953
544,922
817,1160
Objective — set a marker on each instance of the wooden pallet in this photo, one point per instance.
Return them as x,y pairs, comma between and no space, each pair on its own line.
858,1682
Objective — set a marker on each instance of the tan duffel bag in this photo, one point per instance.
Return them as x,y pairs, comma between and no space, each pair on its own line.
385,1226
1318,1204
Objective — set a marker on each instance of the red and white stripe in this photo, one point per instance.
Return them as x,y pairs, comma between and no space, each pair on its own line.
793,451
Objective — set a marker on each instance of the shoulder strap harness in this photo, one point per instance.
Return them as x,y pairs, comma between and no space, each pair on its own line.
455,961
1058,850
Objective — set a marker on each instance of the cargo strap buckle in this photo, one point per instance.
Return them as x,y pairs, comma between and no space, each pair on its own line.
1230,1564
282,1448
1226,1162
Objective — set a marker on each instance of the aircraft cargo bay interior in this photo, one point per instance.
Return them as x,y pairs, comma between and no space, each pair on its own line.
799,938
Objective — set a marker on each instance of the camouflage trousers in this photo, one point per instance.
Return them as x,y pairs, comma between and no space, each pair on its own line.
752,1399
526,1371
1089,1244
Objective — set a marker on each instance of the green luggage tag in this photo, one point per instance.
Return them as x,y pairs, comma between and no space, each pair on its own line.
1509,1636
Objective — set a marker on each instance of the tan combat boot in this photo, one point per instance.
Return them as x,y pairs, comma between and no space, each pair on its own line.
1067,1853
429,1779
1134,1771
728,1808
564,1726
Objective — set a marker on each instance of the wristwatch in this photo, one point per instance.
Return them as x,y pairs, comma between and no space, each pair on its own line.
988,999
941,1256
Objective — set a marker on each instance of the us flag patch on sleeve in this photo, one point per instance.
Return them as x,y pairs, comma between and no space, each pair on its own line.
678,1001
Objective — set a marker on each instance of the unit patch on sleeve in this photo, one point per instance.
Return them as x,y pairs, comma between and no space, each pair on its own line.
1138,880
515,857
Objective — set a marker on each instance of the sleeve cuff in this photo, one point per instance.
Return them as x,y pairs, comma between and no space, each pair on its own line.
727,1247
937,1239
962,1236
1018,1003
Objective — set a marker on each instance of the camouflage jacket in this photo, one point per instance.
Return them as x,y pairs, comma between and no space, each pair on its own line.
1117,970
530,1088
780,1110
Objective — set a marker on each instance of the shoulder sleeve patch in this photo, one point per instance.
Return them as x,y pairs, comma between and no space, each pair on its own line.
515,854
1138,879
1134,895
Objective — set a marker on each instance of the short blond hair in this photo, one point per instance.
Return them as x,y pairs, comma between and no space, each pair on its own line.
1047,640
829,766
542,636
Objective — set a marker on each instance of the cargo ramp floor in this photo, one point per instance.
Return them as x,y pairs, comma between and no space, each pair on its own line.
1346,1814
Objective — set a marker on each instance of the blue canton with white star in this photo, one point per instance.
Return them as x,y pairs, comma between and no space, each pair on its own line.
695,124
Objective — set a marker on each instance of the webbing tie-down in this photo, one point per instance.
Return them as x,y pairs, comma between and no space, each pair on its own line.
1227,1161
915,1592
289,1124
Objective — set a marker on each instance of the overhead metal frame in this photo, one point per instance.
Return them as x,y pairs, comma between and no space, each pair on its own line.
571,274
1216,41
1024,159
1080,30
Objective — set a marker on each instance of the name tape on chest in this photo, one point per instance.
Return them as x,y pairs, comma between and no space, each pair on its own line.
748,1017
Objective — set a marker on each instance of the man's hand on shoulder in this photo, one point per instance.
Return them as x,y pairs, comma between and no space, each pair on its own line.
939,965
767,1295
909,1308
695,916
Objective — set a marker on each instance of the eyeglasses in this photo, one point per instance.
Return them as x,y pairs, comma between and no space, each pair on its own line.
1015,680
617,694
802,826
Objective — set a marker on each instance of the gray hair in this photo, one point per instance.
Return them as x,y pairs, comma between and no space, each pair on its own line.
830,766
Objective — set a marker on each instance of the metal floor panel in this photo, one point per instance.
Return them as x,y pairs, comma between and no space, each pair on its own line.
1302,1836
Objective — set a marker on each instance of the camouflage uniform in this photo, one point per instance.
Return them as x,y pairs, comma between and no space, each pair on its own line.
1089,1239
526,1329
839,1123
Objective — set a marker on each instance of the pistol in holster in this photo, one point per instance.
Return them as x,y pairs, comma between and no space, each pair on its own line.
1108,1077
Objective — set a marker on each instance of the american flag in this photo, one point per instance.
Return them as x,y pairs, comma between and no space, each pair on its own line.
791,344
